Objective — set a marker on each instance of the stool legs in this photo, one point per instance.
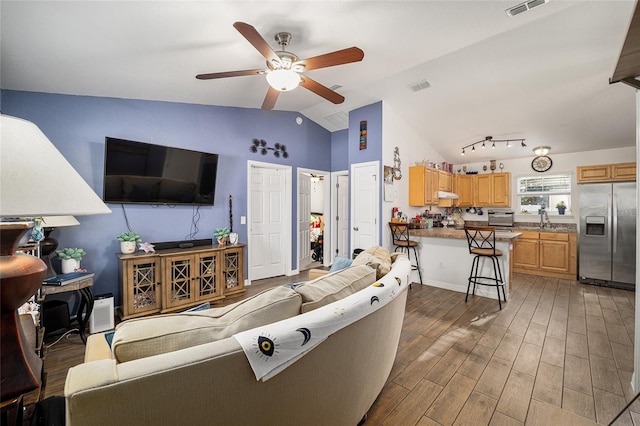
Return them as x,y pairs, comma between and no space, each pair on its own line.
415,267
474,278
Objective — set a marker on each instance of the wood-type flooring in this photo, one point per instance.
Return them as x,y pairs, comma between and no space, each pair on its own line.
559,353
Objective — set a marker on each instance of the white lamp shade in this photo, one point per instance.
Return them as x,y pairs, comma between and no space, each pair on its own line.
283,80
59,221
36,180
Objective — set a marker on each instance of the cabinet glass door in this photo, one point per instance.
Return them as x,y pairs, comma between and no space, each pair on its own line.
179,272
207,279
143,297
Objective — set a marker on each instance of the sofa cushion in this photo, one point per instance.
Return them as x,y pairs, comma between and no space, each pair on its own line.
143,337
377,258
335,286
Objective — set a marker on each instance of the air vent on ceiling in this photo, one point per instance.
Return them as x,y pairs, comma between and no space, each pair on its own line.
523,7
335,87
419,85
338,119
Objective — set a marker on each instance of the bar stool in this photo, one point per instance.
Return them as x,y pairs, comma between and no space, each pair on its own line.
482,244
401,241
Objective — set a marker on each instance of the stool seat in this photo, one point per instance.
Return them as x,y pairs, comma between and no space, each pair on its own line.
486,252
402,241
410,243
482,245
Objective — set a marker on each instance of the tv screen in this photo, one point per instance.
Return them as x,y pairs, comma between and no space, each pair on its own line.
139,172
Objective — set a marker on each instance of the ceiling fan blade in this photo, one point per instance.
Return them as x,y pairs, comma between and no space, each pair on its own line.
270,99
256,40
225,74
339,57
321,90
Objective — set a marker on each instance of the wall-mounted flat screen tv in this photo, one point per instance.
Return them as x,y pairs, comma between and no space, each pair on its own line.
143,173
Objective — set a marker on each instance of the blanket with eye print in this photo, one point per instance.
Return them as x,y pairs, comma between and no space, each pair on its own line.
272,348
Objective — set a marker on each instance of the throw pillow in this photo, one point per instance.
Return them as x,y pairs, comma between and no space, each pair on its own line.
340,263
377,258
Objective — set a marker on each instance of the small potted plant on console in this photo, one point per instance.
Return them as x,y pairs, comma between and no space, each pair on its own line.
561,206
70,258
128,242
222,235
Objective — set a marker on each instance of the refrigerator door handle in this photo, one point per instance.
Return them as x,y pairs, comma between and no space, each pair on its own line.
609,230
614,217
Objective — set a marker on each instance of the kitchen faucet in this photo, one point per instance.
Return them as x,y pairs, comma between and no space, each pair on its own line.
544,217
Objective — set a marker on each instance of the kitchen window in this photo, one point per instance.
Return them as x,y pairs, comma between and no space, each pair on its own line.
550,191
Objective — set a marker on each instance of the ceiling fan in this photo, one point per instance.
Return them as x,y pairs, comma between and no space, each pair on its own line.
284,69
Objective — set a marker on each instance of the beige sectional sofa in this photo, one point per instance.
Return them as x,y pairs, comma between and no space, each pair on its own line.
191,368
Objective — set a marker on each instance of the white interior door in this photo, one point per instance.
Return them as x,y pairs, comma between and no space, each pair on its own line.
365,208
342,217
269,229
304,216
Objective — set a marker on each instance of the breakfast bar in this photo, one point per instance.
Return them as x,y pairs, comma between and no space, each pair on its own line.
445,261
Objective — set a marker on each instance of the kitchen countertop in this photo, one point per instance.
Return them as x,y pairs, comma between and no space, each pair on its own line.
532,226
459,234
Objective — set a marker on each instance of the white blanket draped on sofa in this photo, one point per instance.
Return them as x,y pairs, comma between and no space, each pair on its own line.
272,348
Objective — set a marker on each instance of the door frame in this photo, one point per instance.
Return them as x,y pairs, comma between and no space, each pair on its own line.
286,209
327,211
334,212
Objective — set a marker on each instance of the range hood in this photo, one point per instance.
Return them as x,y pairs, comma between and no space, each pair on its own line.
447,195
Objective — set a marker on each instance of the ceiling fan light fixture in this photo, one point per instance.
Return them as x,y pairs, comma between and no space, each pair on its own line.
541,150
283,80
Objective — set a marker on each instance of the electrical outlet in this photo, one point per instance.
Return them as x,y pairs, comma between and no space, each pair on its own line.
441,265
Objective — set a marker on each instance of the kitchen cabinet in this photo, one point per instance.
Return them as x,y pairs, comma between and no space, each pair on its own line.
445,181
176,279
424,184
619,172
486,190
552,254
465,187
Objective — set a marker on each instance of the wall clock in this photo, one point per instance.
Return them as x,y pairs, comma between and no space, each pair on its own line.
541,163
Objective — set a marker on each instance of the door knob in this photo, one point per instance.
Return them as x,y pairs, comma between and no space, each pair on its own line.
355,228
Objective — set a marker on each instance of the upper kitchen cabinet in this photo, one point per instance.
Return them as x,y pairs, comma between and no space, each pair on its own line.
424,184
445,181
619,172
488,190
465,186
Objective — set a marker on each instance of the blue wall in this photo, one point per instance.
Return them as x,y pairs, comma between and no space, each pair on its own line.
77,126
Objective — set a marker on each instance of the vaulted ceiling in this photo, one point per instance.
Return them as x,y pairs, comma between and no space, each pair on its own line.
542,75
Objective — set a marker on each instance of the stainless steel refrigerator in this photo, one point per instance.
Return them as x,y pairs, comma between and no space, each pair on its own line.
608,234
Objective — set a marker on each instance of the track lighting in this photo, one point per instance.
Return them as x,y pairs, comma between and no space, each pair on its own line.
493,143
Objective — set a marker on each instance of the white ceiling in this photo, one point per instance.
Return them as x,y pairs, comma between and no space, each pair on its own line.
542,75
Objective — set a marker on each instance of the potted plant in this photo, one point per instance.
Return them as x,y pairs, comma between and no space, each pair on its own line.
128,241
221,234
70,258
561,206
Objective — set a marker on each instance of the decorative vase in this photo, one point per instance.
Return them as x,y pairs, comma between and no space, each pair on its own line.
561,210
70,265
127,247
222,241
233,238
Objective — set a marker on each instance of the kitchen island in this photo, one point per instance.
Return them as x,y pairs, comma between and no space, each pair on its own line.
445,261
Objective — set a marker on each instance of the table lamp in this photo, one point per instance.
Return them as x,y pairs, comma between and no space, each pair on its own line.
35,181
49,244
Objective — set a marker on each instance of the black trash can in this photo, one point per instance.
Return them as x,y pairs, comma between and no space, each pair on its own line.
55,316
